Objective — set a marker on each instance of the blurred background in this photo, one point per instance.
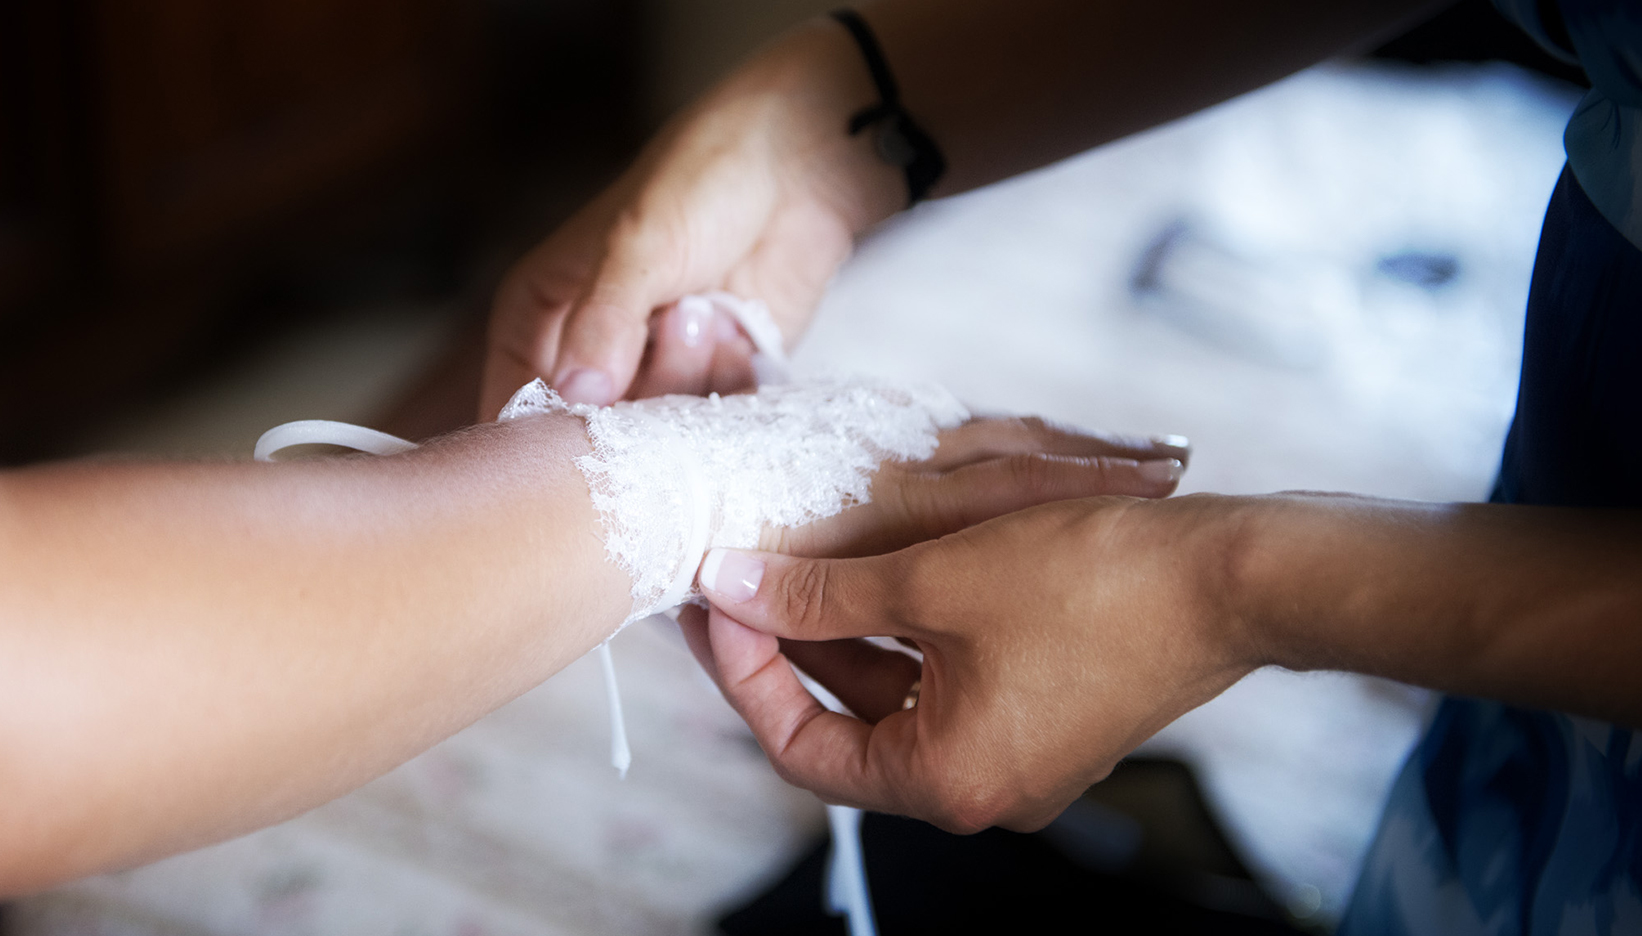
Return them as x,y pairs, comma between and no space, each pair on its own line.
218,217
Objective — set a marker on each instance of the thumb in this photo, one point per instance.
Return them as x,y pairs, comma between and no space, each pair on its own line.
808,599
605,334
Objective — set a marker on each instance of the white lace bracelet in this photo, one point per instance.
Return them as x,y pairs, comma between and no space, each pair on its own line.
674,477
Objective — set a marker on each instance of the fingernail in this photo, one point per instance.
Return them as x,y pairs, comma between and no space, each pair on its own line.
586,385
732,575
1172,441
694,316
1162,470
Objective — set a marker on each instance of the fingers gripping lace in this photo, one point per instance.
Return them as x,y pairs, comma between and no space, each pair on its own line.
673,477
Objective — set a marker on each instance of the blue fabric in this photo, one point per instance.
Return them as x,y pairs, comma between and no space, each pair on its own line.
1507,820
1604,136
1576,439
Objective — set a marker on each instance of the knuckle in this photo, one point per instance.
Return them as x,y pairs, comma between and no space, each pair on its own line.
804,597
782,762
921,587
1033,424
781,748
639,243
783,769
1033,475
928,506
1107,471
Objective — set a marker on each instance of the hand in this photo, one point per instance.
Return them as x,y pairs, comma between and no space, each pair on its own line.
757,190
985,468
1054,641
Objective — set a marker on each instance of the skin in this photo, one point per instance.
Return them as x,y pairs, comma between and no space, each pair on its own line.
1057,639
757,188
192,651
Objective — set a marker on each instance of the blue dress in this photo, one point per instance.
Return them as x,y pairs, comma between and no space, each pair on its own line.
1509,820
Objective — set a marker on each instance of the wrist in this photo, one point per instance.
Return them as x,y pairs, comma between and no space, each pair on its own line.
543,550
1244,541
1216,553
1286,568
806,86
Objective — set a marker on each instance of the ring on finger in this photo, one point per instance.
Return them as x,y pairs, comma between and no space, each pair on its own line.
912,695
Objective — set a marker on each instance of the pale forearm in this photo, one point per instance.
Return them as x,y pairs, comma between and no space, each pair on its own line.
190,651
1532,605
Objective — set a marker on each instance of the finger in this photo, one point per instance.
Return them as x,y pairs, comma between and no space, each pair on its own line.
996,437
807,599
521,342
733,363
606,332
933,505
872,681
692,623
834,755
679,358
505,372
976,493
987,438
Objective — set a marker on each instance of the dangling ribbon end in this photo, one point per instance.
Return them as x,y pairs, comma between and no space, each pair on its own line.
621,756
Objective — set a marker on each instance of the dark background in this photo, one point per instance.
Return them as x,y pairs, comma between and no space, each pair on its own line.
179,176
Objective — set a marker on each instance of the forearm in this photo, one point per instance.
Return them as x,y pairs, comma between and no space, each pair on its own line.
1008,86
190,651
1004,87
1531,605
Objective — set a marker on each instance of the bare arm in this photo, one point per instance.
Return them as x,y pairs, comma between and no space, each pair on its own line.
1058,639
1539,606
190,651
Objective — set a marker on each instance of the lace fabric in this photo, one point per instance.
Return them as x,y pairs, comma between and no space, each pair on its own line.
675,476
